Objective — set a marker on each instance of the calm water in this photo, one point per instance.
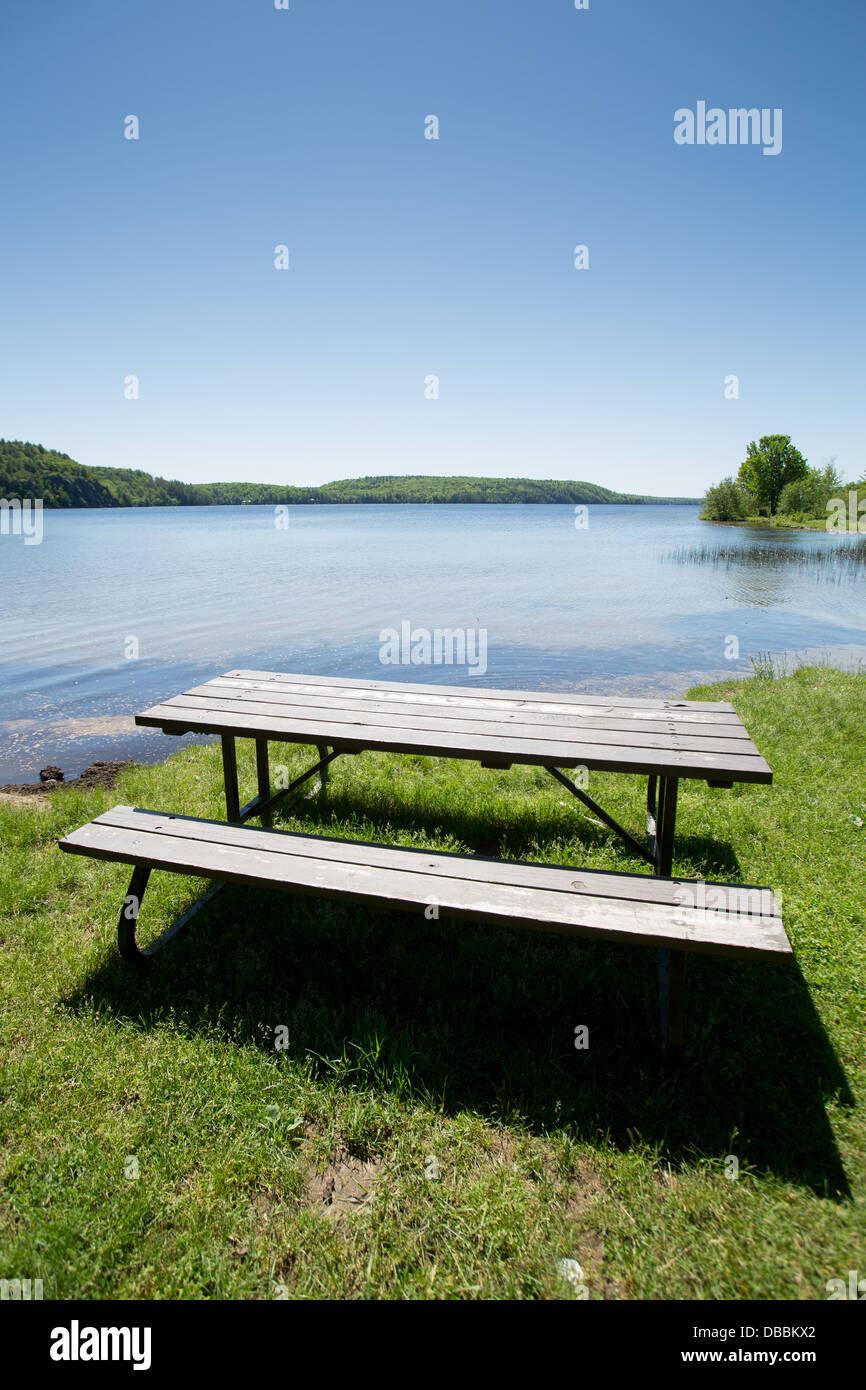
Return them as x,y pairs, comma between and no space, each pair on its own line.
605,608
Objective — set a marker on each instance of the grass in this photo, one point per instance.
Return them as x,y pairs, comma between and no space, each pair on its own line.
840,561
789,521
408,1041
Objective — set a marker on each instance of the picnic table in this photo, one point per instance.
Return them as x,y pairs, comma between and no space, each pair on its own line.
664,740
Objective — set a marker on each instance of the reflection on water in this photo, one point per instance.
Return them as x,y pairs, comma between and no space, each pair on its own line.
844,561
760,571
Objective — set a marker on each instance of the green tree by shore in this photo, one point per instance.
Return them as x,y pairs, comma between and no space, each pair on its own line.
776,484
769,466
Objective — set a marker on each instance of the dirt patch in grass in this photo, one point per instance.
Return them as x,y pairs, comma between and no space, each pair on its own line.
503,1151
582,1189
585,1185
20,798
345,1186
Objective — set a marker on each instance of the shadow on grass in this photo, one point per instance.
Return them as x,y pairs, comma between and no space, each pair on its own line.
469,1016
492,834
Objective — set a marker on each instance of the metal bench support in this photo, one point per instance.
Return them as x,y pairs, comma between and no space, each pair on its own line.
131,910
230,777
660,820
261,805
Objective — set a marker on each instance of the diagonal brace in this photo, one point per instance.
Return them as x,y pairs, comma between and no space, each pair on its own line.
603,816
260,803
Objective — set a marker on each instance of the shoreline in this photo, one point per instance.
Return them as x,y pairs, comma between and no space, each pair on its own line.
52,779
386,502
70,746
774,524
77,745
95,761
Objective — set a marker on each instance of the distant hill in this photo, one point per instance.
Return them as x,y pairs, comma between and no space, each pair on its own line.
30,470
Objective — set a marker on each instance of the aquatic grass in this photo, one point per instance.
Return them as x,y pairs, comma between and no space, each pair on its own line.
304,1171
768,667
834,562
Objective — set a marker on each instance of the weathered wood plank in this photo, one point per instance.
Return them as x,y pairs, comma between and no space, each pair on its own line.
477,711
438,698
738,898
204,697
559,697
155,841
183,713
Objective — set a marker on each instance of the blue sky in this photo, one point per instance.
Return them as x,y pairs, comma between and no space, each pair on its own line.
411,257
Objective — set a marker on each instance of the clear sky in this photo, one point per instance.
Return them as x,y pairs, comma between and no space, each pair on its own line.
412,257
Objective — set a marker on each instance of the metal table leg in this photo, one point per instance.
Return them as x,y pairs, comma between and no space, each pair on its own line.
263,777
667,816
230,777
652,818
672,964
672,998
322,750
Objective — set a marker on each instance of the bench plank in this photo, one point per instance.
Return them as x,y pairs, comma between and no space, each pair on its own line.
738,897
572,902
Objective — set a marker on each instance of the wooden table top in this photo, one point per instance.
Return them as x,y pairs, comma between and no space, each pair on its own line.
619,733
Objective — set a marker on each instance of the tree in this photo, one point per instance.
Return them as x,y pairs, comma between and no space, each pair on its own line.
768,466
806,496
724,502
832,477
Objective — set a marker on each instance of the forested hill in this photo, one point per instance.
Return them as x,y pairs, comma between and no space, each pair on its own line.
29,470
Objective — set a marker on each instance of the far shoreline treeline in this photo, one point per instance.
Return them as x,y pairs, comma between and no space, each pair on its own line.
32,471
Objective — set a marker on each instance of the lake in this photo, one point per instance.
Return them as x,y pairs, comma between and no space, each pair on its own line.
117,609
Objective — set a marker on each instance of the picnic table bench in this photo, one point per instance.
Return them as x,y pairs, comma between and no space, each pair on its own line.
664,740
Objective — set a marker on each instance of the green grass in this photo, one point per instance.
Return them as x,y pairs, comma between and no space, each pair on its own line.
410,1039
795,521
